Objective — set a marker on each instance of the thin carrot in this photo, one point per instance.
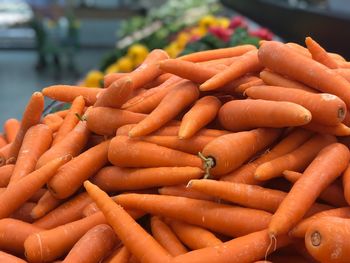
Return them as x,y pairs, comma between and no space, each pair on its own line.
62,113
114,178
336,130
171,105
72,144
31,116
11,128
240,115
120,255
106,120
125,152
5,174
296,160
93,246
231,87
158,81
220,158
8,258
246,63
53,121
319,54
36,141
166,237
324,169
37,195
183,191
68,93
3,141
71,120
111,77
346,184
23,212
243,87
46,203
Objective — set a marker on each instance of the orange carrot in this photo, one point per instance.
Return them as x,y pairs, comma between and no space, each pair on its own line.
62,113
231,87
11,128
158,81
328,165
345,73
72,144
120,255
5,174
296,160
46,203
336,130
71,120
346,184
111,77
114,178
166,237
53,121
23,212
319,54
3,141
125,152
105,120
243,87
31,116
219,158
93,246
246,63
183,191
36,141
240,115
37,195
68,93
171,105
8,258
326,109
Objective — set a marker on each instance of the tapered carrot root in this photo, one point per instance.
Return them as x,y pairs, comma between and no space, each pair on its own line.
336,130
11,128
319,54
53,121
46,203
8,258
184,191
23,213
5,174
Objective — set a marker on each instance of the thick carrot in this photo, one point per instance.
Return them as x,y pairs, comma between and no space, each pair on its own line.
70,177
336,130
71,120
326,109
93,246
273,55
319,54
219,157
68,93
274,79
193,236
240,115
326,239
221,218
13,234
183,191
8,258
296,160
170,106
125,152
105,120
202,113
346,184
5,174
245,173
11,128
53,121
46,203
31,116
246,63
132,235
217,53
111,77
36,141
120,255
72,144
324,169
166,237
114,178
344,72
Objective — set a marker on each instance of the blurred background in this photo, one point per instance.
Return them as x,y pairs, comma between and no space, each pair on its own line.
76,42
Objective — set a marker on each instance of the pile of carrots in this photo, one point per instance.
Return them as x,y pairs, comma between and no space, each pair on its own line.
229,155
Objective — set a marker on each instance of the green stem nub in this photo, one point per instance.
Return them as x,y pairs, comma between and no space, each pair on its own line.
208,163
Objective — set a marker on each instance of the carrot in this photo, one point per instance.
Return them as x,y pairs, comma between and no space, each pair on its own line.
113,178
53,121
273,55
208,55
11,128
71,176
202,113
23,212
220,159
132,235
71,120
37,195
171,105
8,258
46,203
18,231
73,144
299,49
228,220
345,73
344,64
296,160
240,115
245,173
36,141
62,113
319,54
31,116
125,152
3,141
274,79
193,236
327,239
166,237
5,174
245,249
105,120
111,77
324,169
67,93
336,130
183,191
243,87
120,255
232,86
346,184
246,63
326,109
158,81
93,246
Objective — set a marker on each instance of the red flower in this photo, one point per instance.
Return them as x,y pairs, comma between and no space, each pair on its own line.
223,33
238,21
262,33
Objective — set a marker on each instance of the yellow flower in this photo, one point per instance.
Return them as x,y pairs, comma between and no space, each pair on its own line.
112,68
182,39
125,64
173,50
207,21
137,53
93,78
223,22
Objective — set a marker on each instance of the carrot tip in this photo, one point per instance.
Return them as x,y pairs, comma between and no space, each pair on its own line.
341,113
189,184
